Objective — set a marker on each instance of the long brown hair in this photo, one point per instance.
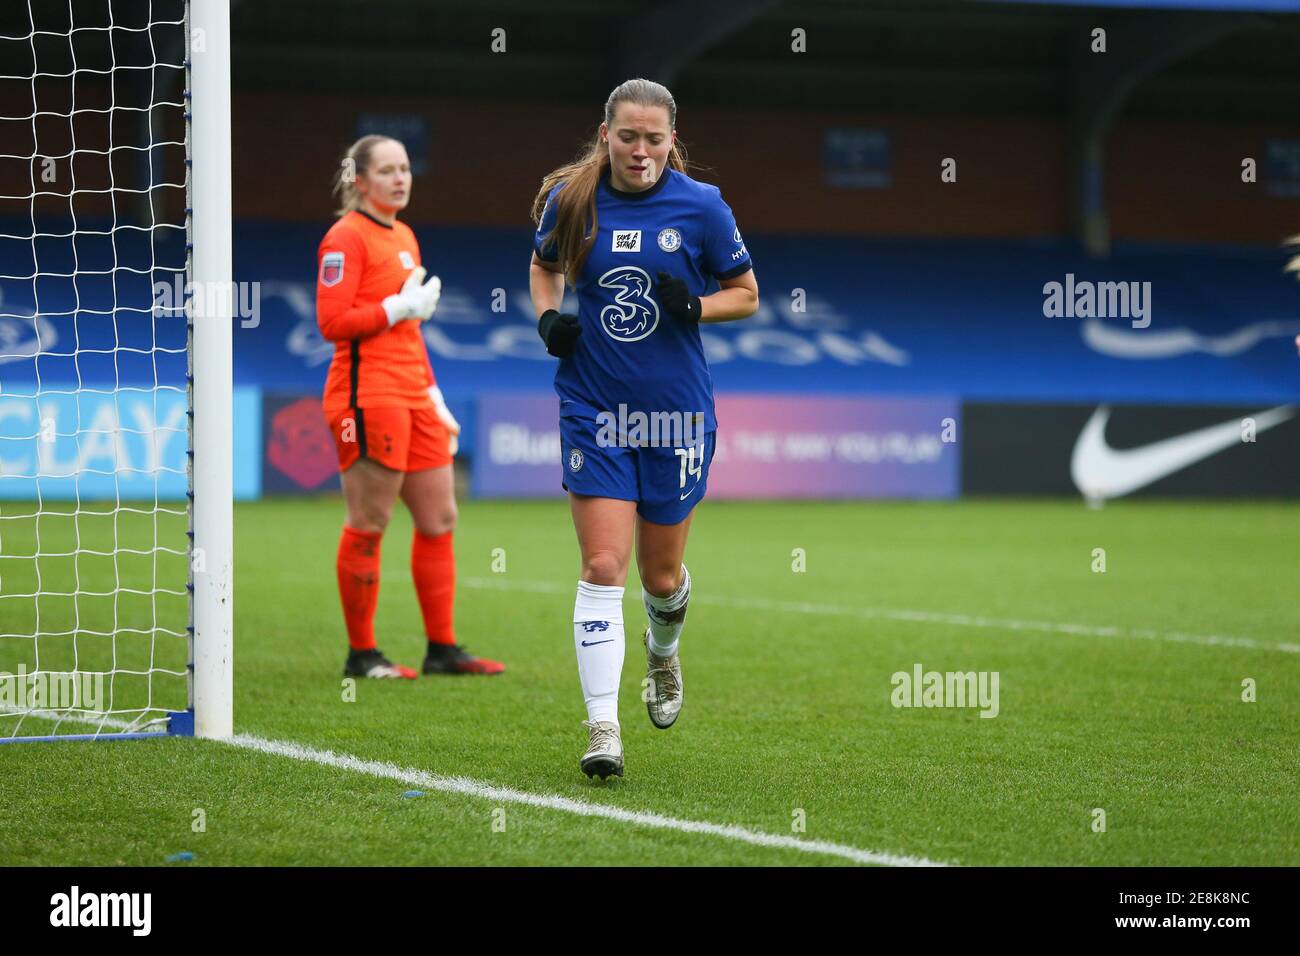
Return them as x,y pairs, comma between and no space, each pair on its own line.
576,202
355,164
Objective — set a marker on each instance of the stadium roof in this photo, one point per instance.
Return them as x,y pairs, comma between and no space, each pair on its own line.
886,55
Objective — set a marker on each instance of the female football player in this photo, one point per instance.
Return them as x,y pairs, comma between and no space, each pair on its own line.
394,433
641,243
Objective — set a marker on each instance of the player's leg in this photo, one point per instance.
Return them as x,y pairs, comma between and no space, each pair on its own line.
665,582
604,527
369,491
429,494
601,479
370,486
674,481
665,593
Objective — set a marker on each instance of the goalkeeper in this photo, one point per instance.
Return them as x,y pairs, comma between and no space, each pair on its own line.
394,433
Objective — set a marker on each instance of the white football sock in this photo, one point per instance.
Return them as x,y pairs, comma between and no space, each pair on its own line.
598,639
667,615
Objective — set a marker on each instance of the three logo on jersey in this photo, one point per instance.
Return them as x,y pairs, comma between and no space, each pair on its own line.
634,313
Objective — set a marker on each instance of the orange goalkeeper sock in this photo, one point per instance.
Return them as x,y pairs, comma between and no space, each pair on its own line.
358,570
434,569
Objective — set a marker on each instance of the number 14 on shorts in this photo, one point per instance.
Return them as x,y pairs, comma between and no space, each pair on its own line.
692,462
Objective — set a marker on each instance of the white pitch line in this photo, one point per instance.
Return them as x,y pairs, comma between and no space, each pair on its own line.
477,788
926,617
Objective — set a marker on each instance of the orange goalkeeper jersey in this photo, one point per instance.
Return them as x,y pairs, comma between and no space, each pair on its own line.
360,262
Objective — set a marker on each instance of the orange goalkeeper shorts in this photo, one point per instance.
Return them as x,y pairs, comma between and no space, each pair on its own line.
404,439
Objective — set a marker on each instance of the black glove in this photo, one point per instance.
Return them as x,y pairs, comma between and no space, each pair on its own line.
674,297
559,331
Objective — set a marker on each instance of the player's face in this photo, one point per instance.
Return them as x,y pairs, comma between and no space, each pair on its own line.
387,183
639,142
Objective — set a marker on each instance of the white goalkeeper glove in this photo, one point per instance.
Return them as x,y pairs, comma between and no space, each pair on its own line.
417,300
446,417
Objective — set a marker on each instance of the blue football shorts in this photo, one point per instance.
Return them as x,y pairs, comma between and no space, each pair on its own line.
666,482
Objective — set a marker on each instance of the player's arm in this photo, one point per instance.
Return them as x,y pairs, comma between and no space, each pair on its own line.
546,284
736,299
724,256
545,273
339,267
558,330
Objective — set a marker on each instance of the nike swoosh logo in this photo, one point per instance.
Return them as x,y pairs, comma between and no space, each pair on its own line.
594,643
1101,472
688,494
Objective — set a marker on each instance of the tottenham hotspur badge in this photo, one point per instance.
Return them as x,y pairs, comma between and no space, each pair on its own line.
670,240
575,460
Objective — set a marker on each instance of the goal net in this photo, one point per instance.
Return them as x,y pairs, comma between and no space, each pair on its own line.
99,562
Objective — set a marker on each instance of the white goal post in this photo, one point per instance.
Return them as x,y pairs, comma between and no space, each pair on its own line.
212,361
116,444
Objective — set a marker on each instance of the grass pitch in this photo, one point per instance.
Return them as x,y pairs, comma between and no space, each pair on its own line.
1119,690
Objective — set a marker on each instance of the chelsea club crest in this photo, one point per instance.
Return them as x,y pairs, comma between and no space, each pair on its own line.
575,460
670,240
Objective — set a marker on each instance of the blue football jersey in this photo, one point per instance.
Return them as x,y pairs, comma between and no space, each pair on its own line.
631,351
